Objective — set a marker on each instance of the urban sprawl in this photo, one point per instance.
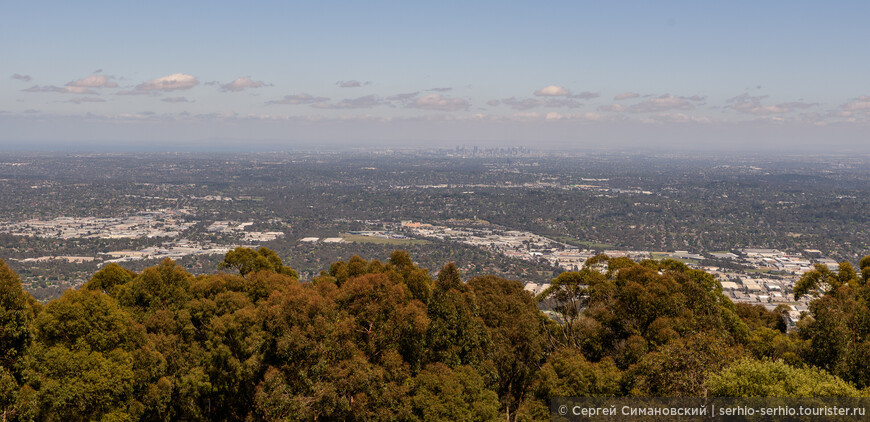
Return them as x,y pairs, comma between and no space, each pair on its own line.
769,281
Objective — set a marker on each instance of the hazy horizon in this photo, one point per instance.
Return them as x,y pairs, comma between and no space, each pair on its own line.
736,76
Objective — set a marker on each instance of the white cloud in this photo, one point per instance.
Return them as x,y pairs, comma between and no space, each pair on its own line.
559,91
94,81
297,99
25,78
176,100
173,82
84,86
241,84
552,91
437,102
860,104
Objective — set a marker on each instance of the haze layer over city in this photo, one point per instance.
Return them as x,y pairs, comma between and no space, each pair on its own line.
427,211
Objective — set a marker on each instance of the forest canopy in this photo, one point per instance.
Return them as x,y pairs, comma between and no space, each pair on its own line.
373,340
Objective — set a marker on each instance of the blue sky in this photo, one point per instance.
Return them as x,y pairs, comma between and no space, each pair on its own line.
561,74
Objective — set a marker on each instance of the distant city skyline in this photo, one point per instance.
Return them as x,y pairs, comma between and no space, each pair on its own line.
562,74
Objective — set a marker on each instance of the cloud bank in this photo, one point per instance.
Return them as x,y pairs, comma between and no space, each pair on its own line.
173,82
242,83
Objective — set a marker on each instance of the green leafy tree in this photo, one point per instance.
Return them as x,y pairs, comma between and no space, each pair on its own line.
108,277
631,309
417,279
401,260
86,385
821,280
385,316
755,378
517,337
457,334
87,359
441,393
568,295
864,265
837,327
757,316
17,311
679,369
247,260
568,374
384,341
570,292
